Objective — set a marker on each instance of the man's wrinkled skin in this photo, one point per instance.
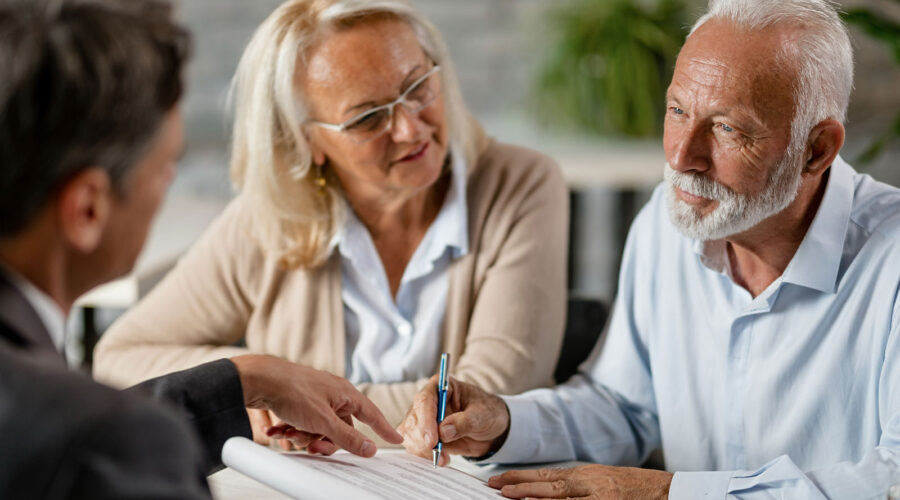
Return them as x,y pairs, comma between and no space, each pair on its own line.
475,424
599,482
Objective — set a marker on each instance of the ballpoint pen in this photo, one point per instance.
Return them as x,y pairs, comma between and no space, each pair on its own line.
443,386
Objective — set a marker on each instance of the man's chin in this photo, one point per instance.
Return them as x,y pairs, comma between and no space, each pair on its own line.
696,224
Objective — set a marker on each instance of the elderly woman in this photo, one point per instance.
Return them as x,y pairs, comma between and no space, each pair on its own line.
376,224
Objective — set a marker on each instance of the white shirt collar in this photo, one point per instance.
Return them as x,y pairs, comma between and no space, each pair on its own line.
451,227
49,311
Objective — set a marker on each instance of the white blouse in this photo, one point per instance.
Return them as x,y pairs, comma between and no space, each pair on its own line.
390,341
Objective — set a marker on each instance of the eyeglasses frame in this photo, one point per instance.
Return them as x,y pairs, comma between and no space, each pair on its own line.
401,100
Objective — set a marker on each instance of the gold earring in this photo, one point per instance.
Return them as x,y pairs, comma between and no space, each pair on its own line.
320,180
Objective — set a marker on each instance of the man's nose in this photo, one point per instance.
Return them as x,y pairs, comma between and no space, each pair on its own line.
688,147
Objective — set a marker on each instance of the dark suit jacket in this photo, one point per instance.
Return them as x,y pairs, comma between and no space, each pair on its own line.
62,435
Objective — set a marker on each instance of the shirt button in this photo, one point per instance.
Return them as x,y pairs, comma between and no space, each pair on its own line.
404,329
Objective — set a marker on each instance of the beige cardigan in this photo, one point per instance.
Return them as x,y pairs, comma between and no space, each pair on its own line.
505,303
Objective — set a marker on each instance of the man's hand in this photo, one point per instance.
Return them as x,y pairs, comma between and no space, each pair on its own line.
475,422
266,425
316,408
260,421
596,482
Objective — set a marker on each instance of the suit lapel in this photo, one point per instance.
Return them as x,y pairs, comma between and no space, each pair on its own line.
24,326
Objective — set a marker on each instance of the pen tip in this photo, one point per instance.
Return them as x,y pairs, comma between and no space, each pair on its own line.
434,458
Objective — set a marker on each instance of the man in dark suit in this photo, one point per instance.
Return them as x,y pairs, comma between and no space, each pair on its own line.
89,133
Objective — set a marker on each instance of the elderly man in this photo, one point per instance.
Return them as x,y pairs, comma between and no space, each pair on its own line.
89,133
756,337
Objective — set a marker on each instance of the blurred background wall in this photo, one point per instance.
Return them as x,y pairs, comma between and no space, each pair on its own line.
499,48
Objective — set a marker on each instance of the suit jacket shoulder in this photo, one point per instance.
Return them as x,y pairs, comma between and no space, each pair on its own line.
65,436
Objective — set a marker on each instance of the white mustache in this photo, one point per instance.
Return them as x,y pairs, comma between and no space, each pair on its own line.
698,185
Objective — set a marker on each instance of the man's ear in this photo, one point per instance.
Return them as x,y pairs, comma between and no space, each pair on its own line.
825,141
84,204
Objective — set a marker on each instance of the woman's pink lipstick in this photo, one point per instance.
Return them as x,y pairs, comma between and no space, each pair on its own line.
415,155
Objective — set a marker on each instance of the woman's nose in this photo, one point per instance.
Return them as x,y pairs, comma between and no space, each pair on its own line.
405,125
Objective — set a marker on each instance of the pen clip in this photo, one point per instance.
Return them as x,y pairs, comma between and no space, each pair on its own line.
444,378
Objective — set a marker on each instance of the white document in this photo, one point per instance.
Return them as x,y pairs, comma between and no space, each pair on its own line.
394,476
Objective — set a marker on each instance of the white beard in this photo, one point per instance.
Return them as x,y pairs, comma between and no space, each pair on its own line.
735,212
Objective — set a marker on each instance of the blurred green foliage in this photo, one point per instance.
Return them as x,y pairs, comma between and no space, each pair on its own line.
609,66
885,31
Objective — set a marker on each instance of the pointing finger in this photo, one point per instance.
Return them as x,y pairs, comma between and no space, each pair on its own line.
300,439
349,438
322,447
367,413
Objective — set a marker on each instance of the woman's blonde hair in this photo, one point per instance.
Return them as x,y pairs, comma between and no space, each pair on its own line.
293,218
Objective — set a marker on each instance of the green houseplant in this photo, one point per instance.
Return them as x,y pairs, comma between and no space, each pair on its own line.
609,67
886,31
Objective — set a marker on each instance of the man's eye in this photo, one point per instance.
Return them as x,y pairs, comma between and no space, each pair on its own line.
676,110
727,128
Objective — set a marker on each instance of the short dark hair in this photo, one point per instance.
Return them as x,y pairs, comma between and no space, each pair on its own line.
83,83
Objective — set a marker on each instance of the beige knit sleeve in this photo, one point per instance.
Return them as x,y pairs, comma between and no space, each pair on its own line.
195,314
515,327
517,321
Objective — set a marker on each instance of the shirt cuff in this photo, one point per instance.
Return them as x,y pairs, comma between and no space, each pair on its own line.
694,485
521,442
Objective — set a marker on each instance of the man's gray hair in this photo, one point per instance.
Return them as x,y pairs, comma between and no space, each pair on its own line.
821,53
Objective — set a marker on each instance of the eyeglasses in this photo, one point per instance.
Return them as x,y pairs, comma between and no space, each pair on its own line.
375,122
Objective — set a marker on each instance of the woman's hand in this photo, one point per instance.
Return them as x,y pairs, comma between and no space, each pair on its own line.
475,422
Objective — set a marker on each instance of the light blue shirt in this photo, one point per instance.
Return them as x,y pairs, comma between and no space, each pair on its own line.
396,341
792,394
